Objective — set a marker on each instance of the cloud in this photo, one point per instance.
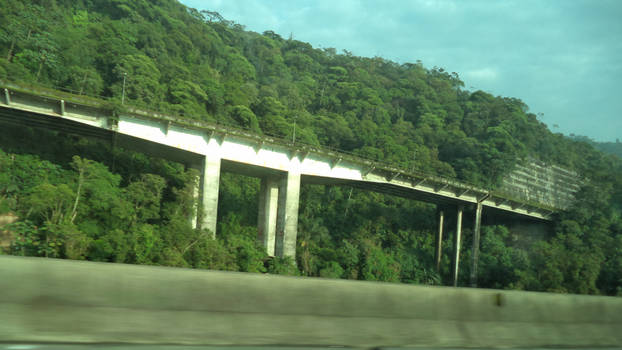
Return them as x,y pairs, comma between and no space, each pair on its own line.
482,74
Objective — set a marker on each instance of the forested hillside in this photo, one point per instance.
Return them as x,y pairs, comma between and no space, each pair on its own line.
78,199
614,148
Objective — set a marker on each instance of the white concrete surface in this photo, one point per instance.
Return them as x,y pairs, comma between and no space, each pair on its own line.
287,217
266,218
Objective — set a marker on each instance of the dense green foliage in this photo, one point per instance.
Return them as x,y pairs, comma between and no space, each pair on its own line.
102,204
614,148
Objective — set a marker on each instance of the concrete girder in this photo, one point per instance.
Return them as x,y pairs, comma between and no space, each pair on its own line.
440,188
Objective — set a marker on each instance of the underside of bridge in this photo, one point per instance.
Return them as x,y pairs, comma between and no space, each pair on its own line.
42,121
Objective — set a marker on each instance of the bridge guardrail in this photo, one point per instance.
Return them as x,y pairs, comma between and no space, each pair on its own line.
62,301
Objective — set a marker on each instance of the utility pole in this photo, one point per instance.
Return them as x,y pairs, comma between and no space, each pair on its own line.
294,134
123,93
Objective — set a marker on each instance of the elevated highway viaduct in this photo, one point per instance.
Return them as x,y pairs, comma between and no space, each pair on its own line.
281,165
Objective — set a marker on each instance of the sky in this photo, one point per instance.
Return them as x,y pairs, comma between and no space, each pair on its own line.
563,58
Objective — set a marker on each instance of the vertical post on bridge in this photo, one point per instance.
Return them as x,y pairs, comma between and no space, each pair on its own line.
475,251
439,240
456,262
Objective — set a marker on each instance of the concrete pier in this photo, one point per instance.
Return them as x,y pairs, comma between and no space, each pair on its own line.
210,181
266,218
439,240
196,196
456,264
475,251
287,217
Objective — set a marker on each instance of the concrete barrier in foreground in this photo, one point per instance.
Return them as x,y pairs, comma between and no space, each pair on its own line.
47,300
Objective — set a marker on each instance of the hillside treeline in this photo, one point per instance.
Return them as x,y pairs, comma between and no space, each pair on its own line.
84,200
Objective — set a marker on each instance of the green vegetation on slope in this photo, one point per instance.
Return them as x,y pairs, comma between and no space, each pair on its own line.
614,148
198,65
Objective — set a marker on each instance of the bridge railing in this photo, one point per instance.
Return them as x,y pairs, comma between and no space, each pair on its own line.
114,104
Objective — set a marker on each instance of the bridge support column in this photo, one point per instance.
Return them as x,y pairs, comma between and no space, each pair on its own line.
475,251
208,192
196,191
439,240
287,215
266,219
456,262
